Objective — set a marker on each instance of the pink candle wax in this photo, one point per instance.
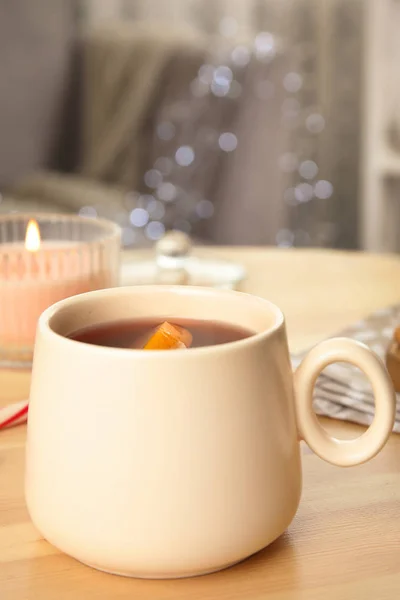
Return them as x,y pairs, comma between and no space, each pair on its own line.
37,274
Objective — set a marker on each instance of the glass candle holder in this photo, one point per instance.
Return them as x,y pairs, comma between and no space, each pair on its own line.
43,259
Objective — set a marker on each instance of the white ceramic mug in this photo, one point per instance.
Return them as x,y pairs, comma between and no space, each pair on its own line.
170,464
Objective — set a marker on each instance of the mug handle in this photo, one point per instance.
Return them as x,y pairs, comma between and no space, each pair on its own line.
344,453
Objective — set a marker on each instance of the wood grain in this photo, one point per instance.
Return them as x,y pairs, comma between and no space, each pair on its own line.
345,540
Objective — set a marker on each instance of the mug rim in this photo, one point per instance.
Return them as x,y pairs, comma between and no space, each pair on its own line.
44,326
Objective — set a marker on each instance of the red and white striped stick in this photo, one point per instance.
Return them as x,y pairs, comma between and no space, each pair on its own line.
14,414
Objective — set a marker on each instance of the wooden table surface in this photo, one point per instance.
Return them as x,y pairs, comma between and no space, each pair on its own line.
345,540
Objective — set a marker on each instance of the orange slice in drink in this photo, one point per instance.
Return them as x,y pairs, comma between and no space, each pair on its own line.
169,337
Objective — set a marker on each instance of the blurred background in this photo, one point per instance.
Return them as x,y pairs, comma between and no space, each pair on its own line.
237,121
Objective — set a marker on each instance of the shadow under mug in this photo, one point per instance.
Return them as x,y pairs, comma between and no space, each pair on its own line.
172,464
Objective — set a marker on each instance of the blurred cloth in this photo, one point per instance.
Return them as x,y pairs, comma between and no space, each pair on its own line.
124,72
342,391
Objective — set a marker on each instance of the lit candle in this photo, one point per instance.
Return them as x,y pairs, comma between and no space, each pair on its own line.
36,273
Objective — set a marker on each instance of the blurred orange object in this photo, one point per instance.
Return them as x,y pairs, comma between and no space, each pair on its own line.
169,337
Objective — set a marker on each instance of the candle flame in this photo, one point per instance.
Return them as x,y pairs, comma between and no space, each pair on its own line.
32,236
